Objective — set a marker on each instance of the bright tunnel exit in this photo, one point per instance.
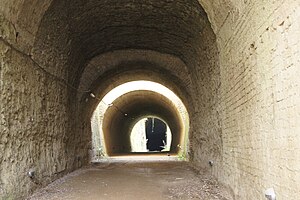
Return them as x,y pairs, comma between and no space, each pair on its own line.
150,134
125,119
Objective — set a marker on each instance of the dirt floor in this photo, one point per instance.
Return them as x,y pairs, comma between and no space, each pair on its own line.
134,181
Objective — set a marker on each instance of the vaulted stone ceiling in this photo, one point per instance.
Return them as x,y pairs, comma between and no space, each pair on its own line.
77,31
64,36
59,33
28,14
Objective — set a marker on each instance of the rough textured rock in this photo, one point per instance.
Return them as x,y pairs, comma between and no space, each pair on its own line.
34,125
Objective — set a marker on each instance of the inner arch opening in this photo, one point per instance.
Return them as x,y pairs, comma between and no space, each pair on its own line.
124,106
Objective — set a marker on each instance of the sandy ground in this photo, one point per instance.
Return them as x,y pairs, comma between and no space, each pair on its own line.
134,181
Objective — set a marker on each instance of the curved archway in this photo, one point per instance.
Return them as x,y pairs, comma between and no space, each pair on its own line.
66,46
126,104
136,104
161,68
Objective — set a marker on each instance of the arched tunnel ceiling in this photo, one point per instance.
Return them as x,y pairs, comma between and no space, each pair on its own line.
27,15
128,109
77,31
68,34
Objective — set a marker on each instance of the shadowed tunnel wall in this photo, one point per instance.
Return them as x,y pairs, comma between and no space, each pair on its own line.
235,64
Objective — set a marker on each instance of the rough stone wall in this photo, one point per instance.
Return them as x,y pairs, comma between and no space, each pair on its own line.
259,57
34,122
33,125
205,139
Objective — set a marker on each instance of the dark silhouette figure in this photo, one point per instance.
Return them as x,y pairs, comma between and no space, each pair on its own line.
156,134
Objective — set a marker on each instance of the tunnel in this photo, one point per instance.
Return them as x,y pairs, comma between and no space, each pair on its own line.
117,125
233,64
